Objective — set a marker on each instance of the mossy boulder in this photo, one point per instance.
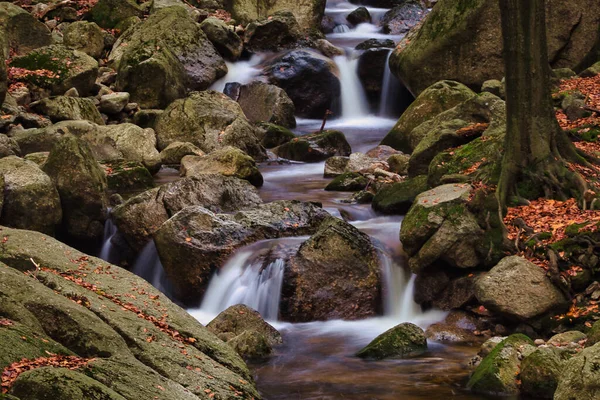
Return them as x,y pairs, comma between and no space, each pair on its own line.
335,274
61,108
359,16
402,341
223,37
86,37
593,334
540,372
81,184
30,199
400,19
277,32
398,197
240,318
348,182
228,161
315,147
173,153
251,345
23,31
9,146
262,102
580,376
109,13
434,100
398,163
591,71
3,73
497,373
209,120
274,135
66,69
113,103
128,177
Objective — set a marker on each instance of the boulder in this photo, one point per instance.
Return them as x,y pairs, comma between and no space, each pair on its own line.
195,242
274,135
334,275
223,37
240,318
62,108
109,13
277,32
497,373
398,163
457,327
3,72
376,44
328,49
113,103
30,200
348,182
315,147
251,345
262,102
439,227
593,335
126,177
84,36
209,120
591,71
67,69
437,98
228,161
81,184
167,53
397,198
400,19
141,216
309,79
518,289
465,43
359,16
23,31
580,376
567,338
540,372
8,146
402,341
372,65
357,162
379,3
173,153
146,118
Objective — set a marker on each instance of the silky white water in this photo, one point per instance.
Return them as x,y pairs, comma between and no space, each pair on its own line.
242,72
354,99
108,252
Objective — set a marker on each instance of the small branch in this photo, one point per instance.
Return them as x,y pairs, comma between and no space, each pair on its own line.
327,113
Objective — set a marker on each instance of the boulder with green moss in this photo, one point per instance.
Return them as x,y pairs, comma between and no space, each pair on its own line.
223,37
348,182
228,161
593,334
398,197
23,31
86,37
81,184
315,147
402,341
274,135
277,32
498,372
62,108
109,13
580,376
127,177
173,153
9,146
591,71
131,143
64,69
262,102
540,372
30,199
209,120
434,100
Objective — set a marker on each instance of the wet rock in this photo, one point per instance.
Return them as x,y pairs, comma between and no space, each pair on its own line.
328,49
580,376
113,103
398,163
240,318
109,13
402,341
223,37
251,345
62,108
128,177
359,16
401,19
457,327
335,166
436,99
81,184
209,120
348,182
334,275
376,44
228,161
29,199
277,32
262,102
173,153
23,31
518,289
274,135
316,146
397,198
69,68
327,24
84,36
141,216
195,241
8,147
309,79
372,65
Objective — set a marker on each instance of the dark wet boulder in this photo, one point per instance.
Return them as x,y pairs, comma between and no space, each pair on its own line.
402,341
209,120
30,200
275,33
372,65
401,19
397,198
376,44
327,24
173,153
81,184
223,37
309,79
23,31
109,13
274,135
580,376
195,242
62,108
348,182
359,16
86,37
316,146
228,161
262,102
334,275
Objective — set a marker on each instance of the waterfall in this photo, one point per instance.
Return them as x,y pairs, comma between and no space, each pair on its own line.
241,71
148,266
341,29
354,100
399,292
108,252
389,90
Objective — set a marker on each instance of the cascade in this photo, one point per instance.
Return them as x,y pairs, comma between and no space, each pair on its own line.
354,100
108,252
148,266
240,71
389,90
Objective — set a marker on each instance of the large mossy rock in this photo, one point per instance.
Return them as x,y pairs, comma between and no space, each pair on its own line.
209,120
462,40
195,242
275,33
228,161
139,344
9,147
22,31
402,341
315,147
437,98
308,13
518,289
439,227
309,79
126,177
67,69
163,56
86,37
540,372
141,216
3,73
274,135
497,373
334,275
109,13
30,200
62,108
580,377
174,153
262,102
81,184
397,198
223,37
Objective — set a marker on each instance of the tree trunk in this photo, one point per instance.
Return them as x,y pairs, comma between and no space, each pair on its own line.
535,145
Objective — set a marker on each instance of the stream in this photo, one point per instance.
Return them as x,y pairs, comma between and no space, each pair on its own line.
316,360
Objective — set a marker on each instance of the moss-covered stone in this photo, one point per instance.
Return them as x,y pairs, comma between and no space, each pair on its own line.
348,182
580,376
314,147
262,102
127,177
398,197
63,108
593,335
109,13
223,36
86,37
540,372
21,31
277,32
275,135
402,341
173,153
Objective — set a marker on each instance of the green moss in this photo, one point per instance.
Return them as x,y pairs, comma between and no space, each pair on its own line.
38,60
348,182
404,340
397,198
574,229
